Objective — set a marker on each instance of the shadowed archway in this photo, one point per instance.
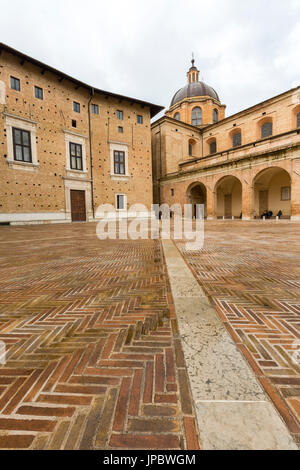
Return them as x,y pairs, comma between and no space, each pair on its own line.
196,194
228,194
272,192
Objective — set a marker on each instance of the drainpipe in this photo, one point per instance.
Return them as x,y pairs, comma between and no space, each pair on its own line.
160,165
91,155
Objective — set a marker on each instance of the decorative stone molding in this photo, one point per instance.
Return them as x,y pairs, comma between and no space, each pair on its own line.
77,184
2,92
26,124
75,138
125,202
121,147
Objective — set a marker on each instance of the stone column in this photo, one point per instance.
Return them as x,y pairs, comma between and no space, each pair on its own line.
295,190
210,204
247,201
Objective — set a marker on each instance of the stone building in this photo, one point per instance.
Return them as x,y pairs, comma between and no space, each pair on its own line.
237,166
67,147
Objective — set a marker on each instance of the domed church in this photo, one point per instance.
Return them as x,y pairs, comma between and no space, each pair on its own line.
239,167
196,103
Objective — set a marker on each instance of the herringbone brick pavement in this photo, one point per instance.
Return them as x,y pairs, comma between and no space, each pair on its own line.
251,273
93,356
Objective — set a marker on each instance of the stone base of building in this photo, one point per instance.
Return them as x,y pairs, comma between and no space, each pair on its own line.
64,218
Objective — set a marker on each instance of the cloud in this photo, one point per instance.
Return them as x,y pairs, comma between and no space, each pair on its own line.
286,60
248,51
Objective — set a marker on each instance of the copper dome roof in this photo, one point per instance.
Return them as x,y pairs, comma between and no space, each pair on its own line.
194,89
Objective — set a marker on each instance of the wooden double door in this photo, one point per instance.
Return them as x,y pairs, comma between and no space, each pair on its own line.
78,208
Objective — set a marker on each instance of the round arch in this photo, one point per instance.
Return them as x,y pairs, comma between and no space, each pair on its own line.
272,192
228,197
197,194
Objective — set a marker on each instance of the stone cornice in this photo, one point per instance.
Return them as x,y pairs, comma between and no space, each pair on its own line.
175,121
67,131
240,147
248,160
16,116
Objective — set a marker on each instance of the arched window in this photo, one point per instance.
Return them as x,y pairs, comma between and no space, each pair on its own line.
197,116
266,129
237,139
298,119
177,116
191,147
215,115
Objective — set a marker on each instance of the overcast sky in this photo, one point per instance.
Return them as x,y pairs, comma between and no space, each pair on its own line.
247,50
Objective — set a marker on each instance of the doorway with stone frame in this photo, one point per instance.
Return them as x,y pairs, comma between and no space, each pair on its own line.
78,206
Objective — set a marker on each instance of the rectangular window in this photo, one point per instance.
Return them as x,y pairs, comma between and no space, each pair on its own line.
76,107
120,201
139,119
237,139
15,84
172,192
22,145
120,115
74,123
119,162
75,156
266,129
298,120
120,130
213,147
286,193
38,92
95,109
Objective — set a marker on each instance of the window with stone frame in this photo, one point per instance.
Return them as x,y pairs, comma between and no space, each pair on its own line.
76,156
119,162
266,129
120,201
237,139
139,119
177,116
298,119
22,145
213,147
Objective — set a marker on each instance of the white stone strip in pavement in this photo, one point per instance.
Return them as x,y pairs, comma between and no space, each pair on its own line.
233,411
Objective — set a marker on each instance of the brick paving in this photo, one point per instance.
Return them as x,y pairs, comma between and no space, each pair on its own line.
94,360
251,273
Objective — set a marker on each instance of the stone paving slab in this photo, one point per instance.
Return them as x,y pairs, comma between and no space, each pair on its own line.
93,359
250,272
232,409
